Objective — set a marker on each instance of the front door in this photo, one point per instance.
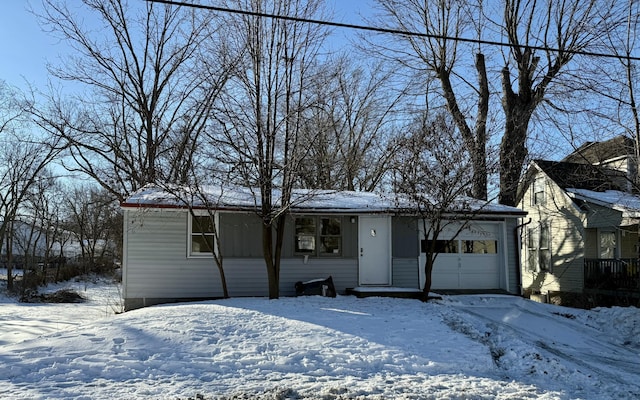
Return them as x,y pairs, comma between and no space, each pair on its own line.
374,238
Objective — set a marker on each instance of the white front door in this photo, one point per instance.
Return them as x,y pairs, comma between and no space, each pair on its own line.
374,238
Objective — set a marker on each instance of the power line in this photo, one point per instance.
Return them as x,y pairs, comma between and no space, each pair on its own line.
384,30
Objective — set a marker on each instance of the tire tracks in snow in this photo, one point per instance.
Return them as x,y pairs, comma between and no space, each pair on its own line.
597,357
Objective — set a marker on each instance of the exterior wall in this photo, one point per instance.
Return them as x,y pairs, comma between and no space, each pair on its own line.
405,252
567,231
512,256
602,217
629,242
405,273
157,268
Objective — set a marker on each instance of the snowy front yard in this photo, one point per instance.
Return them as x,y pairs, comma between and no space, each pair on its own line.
319,348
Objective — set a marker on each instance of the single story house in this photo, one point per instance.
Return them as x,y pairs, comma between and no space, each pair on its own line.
360,239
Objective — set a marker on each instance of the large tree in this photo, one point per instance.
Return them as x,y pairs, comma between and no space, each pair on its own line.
543,38
263,109
148,75
437,53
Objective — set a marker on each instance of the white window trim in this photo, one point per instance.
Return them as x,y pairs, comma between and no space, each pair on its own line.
543,183
539,247
216,221
616,233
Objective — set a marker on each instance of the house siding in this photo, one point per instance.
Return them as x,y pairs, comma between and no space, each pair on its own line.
405,273
566,224
512,257
157,268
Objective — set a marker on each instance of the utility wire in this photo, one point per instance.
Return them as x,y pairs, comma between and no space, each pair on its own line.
385,30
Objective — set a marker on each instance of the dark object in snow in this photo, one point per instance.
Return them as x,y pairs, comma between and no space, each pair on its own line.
316,287
61,296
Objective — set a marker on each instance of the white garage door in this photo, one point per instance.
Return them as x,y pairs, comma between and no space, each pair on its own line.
471,261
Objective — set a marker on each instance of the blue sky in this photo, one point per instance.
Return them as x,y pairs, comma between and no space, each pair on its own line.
25,48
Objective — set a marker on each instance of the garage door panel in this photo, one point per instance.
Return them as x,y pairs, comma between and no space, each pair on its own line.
477,263
466,272
445,274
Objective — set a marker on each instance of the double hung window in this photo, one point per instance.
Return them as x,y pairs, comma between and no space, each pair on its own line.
201,235
538,195
539,247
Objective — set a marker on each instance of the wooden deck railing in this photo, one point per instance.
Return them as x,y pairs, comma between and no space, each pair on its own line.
612,274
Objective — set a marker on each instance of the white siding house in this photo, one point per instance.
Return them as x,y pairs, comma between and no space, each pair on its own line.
359,239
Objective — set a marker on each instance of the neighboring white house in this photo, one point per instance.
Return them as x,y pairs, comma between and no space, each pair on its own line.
583,232
360,239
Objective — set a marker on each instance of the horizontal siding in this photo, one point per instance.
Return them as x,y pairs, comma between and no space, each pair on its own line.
405,273
567,244
344,273
603,217
157,266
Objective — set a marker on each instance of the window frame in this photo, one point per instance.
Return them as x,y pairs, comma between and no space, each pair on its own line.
538,188
318,236
539,247
190,234
616,241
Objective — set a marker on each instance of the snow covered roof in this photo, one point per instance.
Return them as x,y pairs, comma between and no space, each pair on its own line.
627,203
240,198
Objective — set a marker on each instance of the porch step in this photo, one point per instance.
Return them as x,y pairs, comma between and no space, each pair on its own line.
384,291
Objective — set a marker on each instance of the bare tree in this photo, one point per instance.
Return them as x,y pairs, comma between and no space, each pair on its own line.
544,37
351,126
432,177
96,221
440,54
263,110
151,77
23,160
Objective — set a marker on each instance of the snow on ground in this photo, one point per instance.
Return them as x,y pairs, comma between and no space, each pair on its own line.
461,347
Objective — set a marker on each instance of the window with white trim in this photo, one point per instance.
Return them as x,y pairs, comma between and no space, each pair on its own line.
539,247
538,193
608,244
201,235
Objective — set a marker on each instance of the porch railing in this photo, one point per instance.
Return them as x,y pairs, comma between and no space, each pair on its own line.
612,274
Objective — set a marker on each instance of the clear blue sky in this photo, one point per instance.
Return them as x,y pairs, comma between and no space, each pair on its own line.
25,48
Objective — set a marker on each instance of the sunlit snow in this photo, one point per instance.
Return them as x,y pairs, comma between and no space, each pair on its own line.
460,347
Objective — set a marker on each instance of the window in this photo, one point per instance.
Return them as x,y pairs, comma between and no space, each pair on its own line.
608,245
442,246
480,246
326,231
539,248
537,196
330,238
201,235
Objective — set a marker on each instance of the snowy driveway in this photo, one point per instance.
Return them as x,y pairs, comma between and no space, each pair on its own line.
555,332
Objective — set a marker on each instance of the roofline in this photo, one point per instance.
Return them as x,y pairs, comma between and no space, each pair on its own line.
628,211
316,210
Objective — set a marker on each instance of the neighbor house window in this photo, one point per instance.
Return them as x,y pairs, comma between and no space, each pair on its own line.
539,248
318,236
608,245
201,235
537,196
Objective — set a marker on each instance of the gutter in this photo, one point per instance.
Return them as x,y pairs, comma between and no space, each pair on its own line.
516,238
